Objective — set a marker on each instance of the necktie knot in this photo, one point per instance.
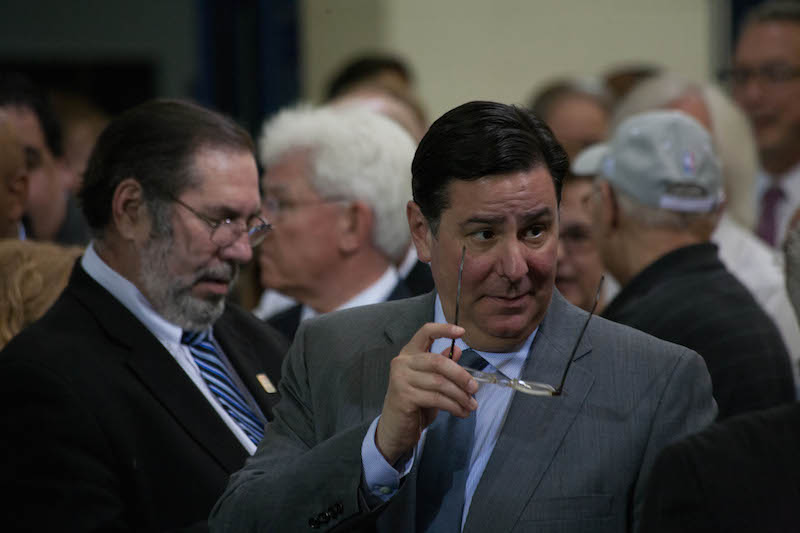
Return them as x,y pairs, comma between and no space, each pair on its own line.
193,338
472,359
773,195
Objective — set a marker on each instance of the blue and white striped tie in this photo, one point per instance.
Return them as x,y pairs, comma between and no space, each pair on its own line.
220,383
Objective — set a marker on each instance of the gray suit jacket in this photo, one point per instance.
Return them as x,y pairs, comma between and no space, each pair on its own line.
578,462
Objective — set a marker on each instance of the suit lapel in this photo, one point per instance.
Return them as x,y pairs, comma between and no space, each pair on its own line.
241,352
160,373
535,426
375,362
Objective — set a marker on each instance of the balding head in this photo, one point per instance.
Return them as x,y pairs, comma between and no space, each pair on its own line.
13,179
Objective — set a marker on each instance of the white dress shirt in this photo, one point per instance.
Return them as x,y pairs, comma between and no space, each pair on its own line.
760,268
376,293
383,480
169,335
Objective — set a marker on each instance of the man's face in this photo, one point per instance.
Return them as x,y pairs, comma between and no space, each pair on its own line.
579,265
772,106
577,122
13,181
184,274
298,256
509,226
47,200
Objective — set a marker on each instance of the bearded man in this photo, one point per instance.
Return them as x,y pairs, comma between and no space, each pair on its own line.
128,405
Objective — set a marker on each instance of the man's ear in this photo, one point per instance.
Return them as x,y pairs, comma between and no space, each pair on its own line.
356,226
610,209
128,210
420,231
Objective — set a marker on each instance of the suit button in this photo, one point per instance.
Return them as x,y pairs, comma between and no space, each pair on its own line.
313,523
339,507
333,512
324,517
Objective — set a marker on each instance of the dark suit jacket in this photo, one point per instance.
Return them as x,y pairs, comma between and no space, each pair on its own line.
689,298
573,463
288,321
420,279
742,474
101,428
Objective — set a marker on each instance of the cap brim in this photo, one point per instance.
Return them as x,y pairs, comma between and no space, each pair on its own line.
589,161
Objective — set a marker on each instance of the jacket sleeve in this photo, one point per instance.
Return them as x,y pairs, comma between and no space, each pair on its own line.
298,479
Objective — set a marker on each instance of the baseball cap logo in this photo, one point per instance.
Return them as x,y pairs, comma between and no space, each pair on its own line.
689,165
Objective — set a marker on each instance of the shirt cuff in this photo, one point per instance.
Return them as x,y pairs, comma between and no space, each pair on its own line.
381,479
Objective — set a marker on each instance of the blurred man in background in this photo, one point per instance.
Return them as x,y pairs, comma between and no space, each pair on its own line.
765,80
336,183
659,194
51,211
13,181
577,112
748,258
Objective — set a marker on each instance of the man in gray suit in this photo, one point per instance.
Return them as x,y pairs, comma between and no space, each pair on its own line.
378,429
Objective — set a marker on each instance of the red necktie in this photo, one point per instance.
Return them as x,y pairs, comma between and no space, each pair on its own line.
768,224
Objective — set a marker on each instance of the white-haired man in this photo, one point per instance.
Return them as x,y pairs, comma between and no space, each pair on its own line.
336,183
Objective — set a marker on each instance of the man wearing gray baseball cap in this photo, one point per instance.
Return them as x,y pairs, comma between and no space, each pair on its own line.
658,196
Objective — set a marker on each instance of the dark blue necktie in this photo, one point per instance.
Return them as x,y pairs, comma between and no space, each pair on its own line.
444,465
220,383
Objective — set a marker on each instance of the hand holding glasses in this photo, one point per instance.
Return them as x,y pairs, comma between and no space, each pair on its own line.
526,387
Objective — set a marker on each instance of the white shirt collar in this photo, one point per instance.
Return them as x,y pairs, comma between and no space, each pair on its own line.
129,296
375,293
509,363
409,262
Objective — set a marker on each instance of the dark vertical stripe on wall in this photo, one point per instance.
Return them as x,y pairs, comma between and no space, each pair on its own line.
249,62
278,46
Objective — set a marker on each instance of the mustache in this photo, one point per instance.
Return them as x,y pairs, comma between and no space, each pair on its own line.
224,272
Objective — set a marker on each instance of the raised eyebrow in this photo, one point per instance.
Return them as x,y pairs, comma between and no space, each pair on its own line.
537,214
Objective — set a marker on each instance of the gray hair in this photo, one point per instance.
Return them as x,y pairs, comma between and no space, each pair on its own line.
355,154
731,134
655,217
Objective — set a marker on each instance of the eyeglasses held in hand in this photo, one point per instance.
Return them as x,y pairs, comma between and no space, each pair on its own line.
527,387
227,231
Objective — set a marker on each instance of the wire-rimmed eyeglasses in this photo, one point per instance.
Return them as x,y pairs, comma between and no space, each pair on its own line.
527,387
226,231
772,74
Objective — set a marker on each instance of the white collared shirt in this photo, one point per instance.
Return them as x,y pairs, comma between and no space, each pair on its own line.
790,185
168,334
375,293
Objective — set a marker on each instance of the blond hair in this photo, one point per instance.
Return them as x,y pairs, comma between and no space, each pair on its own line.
32,275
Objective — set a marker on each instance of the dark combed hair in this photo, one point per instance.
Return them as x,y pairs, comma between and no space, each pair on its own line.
773,11
362,69
18,90
153,143
480,139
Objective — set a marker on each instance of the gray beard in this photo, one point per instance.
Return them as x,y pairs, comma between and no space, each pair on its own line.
172,297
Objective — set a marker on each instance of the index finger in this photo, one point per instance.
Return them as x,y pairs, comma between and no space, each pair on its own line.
424,337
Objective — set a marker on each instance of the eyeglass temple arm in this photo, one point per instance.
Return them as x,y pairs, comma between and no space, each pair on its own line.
560,388
458,296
